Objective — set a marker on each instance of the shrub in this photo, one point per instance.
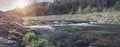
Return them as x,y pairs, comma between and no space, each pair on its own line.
36,41
30,36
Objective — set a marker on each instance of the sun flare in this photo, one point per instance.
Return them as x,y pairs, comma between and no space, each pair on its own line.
21,4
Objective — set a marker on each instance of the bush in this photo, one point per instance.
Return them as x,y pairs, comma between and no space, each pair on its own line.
29,37
36,41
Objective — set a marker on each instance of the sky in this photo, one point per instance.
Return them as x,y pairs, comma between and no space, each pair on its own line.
11,4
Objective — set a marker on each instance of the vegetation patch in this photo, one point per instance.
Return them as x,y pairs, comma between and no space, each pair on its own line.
105,33
36,41
113,22
73,28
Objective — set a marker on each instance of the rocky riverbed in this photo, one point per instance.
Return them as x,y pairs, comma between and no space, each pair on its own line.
77,33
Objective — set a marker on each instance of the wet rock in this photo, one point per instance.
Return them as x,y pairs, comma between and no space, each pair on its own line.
46,31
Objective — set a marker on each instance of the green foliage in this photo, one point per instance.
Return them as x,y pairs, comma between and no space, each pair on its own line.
113,22
30,36
36,41
84,6
79,10
73,28
87,9
15,33
40,43
117,5
105,33
68,7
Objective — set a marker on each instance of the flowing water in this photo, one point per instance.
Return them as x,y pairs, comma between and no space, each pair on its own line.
76,33
56,28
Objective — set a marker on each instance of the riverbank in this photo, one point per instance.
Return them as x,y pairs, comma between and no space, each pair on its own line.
101,17
83,35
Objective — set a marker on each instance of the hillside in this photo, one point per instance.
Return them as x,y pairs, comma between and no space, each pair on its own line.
9,21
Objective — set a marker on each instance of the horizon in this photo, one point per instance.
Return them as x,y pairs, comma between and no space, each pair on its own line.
12,4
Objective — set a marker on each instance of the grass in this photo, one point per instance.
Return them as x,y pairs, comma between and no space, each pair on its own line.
105,33
73,28
96,16
113,22
15,33
47,18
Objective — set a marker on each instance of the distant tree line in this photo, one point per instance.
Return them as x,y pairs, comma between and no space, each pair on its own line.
59,7
83,6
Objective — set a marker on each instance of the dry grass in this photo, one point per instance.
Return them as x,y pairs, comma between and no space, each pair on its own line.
98,17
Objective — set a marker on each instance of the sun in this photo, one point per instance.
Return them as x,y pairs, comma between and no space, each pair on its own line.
21,4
